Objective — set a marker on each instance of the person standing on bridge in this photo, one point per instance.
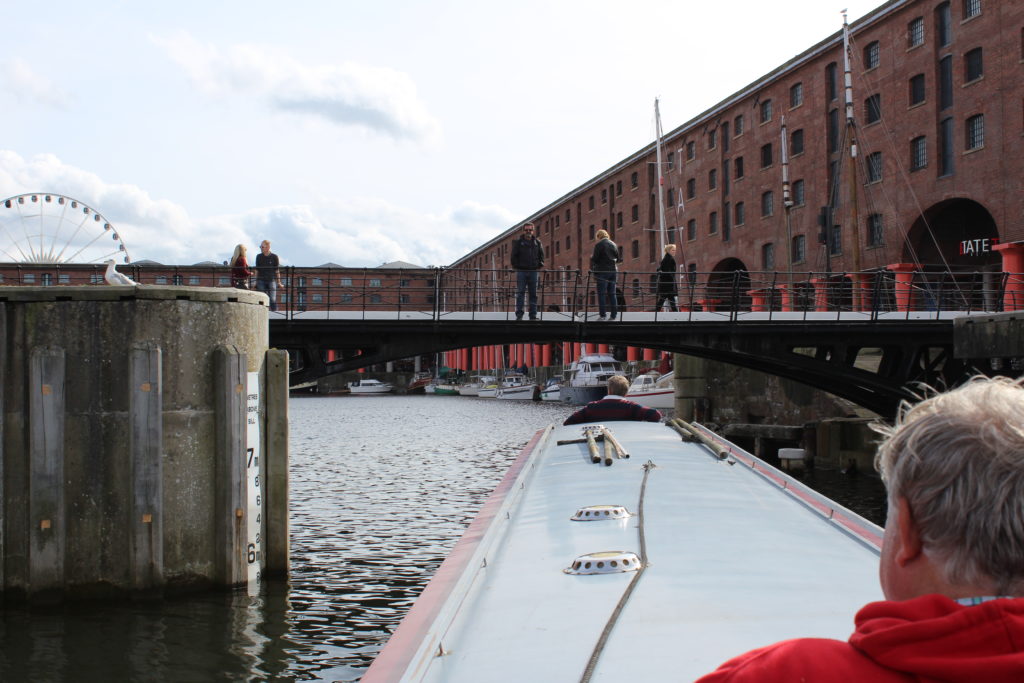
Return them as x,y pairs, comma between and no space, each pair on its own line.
668,289
603,265
527,259
240,268
268,273
952,560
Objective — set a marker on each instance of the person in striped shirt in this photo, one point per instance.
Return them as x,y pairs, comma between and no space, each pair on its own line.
614,407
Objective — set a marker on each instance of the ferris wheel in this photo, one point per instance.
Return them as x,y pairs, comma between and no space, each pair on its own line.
44,227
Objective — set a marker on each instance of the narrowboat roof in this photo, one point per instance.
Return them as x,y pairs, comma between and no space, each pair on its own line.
736,555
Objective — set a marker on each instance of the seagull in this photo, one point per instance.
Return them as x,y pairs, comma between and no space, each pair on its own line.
115,278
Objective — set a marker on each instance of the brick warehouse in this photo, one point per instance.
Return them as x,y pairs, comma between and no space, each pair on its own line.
938,119
934,193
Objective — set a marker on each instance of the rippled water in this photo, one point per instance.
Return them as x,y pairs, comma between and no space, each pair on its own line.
381,489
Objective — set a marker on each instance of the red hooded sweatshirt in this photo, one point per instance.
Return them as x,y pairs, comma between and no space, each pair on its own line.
930,638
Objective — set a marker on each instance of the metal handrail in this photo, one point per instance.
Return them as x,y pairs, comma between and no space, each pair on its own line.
437,292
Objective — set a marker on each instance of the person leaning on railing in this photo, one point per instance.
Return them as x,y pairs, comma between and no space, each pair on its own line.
952,562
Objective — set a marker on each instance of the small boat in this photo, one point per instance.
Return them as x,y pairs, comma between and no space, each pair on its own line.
419,383
473,387
369,386
552,390
653,390
517,386
488,391
587,378
446,389
652,568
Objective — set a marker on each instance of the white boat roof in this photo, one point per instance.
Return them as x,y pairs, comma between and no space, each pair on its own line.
739,556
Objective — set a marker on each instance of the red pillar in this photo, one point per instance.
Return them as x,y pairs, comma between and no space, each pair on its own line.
861,291
787,297
632,353
546,355
757,299
903,293
820,293
1013,264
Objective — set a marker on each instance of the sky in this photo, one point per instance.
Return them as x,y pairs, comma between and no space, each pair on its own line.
359,133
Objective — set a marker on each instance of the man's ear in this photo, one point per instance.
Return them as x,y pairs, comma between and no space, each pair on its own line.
910,536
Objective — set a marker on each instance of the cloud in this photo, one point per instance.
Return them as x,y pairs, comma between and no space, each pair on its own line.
21,81
362,232
378,99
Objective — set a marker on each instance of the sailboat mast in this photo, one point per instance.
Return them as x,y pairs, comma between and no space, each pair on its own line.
851,136
661,177
787,201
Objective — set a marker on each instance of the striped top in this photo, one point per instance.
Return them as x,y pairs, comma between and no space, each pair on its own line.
613,408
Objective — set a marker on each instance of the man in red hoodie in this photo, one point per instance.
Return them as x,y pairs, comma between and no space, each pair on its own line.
952,561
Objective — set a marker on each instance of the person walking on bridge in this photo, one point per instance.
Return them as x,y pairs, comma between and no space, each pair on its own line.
527,259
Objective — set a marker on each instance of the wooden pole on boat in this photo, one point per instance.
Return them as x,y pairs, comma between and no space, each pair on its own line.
619,450
609,449
690,433
592,445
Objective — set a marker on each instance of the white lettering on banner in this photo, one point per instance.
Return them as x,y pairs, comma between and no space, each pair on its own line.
253,482
978,246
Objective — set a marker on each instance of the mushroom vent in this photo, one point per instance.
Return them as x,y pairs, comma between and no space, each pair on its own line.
608,562
593,513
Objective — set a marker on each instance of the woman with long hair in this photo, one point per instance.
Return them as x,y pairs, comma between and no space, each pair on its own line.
240,268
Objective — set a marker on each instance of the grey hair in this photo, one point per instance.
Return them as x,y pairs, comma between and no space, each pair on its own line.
958,460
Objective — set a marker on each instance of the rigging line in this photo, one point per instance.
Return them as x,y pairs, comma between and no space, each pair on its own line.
588,672
888,136
833,202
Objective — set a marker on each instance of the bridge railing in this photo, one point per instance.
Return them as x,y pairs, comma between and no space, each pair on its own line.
438,292
487,293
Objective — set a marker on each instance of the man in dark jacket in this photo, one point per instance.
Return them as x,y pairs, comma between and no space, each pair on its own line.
527,259
603,263
614,407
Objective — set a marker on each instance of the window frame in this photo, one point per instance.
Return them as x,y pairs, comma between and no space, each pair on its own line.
918,153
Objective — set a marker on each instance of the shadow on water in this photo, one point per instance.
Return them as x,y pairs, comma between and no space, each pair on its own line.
381,489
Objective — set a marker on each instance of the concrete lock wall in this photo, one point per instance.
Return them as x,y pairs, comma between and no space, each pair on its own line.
128,414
